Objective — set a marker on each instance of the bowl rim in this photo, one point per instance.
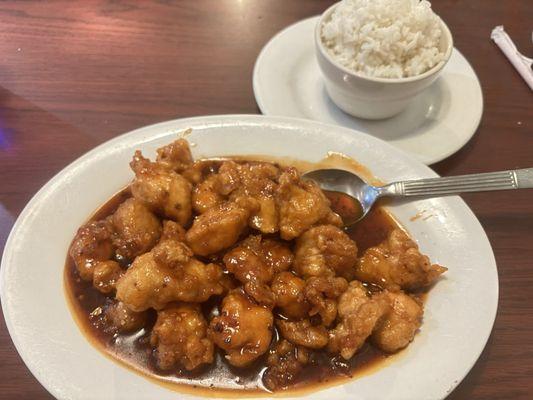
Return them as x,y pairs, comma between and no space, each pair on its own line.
432,71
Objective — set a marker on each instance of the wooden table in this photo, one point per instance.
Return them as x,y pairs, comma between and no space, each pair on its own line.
74,74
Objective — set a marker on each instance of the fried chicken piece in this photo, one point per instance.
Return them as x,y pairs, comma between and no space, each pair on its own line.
199,170
168,273
175,156
254,261
173,230
325,250
359,314
260,293
243,329
180,338
163,190
285,362
137,229
124,319
247,262
400,324
322,293
397,264
206,194
332,218
92,244
303,333
106,274
301,204
277,255
289,295
218,228
257,180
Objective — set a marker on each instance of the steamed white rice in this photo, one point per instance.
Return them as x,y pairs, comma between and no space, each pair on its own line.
384,38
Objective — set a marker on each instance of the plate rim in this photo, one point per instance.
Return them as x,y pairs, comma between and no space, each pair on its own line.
259,96
207,121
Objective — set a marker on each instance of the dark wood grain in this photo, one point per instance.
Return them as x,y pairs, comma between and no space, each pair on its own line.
75,74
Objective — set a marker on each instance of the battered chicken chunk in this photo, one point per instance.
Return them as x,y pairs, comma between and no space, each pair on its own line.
301,204
254,262
206,194
124,319
168,273
180,338
276,254
285,362
400,324
163,190
218,228
173,230
359,314
289,295
243,329
137,229
176,155
259,181
303,333
397,264
247,262
92,244
106,274
325,250
322,293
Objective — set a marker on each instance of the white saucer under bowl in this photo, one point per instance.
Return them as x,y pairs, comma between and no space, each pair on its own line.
287,82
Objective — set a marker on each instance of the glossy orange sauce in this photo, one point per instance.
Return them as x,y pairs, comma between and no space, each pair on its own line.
219,379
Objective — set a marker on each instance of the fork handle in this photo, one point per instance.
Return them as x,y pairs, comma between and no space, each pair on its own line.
433,187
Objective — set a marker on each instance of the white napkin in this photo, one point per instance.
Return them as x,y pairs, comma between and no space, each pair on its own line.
519,61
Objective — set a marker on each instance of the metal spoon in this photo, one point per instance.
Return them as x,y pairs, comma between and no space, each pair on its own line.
353,198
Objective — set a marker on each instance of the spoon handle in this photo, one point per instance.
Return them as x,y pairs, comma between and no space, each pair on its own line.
503,180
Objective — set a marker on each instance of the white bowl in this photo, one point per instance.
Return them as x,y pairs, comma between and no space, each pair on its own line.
369,97
459,311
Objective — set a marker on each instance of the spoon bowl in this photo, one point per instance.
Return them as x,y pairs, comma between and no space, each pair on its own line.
350,196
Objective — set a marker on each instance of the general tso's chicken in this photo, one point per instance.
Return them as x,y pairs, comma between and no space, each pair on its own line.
254,262
397,264
123,319
137,229
303,333
243,329
358,314
276,254
322,293
206,194
301,204
163,190
173,231
400,324
289,295
168,273
106,274
180,338
218,228
92,244
259,181
175,156
247,262
325,250
285,363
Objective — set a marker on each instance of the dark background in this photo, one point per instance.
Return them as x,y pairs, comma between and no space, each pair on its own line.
74,74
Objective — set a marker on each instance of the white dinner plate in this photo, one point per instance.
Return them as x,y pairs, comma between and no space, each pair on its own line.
459,312
287,82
